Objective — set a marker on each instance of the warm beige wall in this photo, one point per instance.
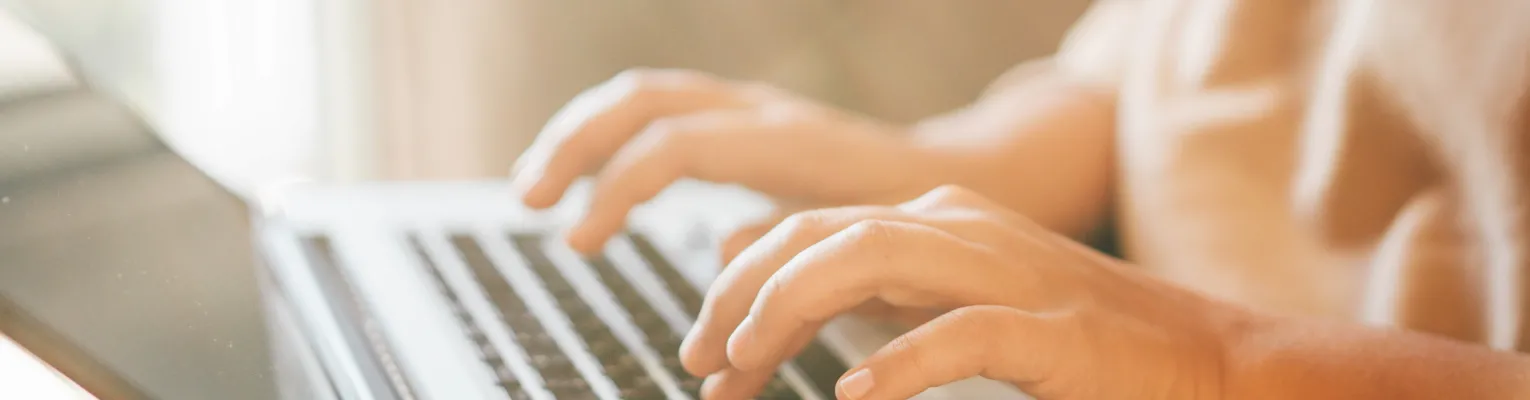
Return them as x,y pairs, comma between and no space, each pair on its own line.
231,84
266,91
464,85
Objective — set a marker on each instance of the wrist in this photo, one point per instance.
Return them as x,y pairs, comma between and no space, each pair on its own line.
1283,358
1247,356
909,168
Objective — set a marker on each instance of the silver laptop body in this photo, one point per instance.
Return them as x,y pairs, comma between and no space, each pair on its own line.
454,291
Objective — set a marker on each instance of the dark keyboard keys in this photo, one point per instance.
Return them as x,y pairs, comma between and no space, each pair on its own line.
822,368
690,299
616,362
777,389
505,378
558,373
663,340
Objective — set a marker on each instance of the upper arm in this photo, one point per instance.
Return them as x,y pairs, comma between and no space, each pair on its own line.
1094,52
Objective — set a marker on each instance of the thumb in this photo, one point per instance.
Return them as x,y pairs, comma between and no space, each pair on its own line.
995,342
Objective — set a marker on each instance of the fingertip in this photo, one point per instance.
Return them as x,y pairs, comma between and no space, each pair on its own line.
743,350
856,385
538,192
577,242
735,384
709,386
585,238
695,360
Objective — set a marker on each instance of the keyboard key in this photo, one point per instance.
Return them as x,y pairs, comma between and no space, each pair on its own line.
822,368
658,333
545,356
616,360
487,353
778,390
690,298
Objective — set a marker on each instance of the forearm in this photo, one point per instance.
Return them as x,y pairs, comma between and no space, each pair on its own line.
1043,147
1292,359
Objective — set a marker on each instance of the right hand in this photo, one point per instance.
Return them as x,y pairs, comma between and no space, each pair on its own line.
1031,308
652,127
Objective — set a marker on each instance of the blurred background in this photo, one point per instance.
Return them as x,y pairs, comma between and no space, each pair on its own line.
271,90
260,92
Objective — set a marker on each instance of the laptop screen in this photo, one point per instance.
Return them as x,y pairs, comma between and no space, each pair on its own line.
126,252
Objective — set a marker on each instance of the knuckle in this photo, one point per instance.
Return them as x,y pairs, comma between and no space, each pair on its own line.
986,324
773,291
917,359
760,92
673,134
665,130
641,79
805,223
632,75
871,232
949,193
985,320
629,83
977,317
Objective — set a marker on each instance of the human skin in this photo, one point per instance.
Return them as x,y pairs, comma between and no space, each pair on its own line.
1084,324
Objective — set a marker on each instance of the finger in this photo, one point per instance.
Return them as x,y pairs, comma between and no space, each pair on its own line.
705,347
905,264
995,342
734,384
738,383
600,120
732,294
793,344
658,157
744,236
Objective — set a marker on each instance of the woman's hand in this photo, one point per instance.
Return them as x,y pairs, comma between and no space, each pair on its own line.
652,127
1028,307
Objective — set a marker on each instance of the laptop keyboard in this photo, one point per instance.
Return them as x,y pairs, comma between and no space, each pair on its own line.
615,360
650,369
655,330
490,355
820,366
558,373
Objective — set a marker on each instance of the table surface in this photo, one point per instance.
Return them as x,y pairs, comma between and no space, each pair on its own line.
23,376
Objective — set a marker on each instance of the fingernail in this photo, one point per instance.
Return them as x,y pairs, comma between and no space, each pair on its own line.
857,384
739,343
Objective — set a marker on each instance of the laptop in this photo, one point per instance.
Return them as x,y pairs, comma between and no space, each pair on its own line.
392,291
137,277
141,278
120,259
451,290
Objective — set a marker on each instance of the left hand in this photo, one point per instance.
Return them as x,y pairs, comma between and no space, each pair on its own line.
1030,307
